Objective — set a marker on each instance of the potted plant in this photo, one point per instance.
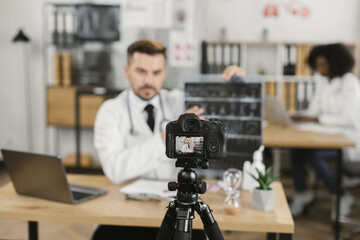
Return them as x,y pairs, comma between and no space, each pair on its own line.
264,196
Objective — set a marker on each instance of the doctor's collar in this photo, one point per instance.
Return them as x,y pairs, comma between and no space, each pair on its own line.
139,103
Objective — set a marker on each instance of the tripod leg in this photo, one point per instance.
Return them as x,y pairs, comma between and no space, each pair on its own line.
168,224
184,224
210,225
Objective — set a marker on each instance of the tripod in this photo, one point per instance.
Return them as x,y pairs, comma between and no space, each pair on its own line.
181,211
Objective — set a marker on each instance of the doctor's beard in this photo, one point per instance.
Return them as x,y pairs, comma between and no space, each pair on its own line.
147,92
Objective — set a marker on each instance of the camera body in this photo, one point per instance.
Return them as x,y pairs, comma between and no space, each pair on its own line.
192,138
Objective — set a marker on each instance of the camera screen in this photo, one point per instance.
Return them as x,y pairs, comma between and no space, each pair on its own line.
191,146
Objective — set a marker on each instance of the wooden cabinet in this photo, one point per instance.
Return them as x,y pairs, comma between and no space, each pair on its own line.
61,107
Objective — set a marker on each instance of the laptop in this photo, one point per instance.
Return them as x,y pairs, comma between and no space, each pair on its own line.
44,176
276,113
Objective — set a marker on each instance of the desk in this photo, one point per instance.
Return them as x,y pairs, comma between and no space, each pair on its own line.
114,209
279,137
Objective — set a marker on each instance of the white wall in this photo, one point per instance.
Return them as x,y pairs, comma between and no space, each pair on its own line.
330,20
14,14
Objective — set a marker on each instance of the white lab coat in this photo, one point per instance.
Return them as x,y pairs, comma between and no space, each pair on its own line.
337,103
186,148
124,156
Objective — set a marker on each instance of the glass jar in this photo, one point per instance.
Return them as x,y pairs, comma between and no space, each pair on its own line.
232,180
232,203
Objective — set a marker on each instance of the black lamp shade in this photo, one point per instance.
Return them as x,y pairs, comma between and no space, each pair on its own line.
21,37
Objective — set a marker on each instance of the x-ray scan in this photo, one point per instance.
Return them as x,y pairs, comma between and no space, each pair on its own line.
240,104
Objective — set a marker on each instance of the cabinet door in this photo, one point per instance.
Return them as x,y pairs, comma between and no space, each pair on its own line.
61,107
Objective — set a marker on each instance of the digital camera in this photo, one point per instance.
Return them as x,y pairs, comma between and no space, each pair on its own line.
192,138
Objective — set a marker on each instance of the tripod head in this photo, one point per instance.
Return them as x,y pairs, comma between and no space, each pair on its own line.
188,185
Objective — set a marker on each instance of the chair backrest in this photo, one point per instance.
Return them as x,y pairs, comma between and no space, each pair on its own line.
351,169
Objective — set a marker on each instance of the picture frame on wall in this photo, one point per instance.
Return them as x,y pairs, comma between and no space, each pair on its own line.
97,22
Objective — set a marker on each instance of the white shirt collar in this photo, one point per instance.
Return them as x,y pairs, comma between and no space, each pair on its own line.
138,104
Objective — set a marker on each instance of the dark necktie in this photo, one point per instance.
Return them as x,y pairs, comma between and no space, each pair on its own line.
151,120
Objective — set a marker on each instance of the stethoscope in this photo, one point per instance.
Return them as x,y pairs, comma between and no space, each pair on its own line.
132,129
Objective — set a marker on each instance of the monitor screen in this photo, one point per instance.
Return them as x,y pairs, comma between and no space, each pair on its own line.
189,146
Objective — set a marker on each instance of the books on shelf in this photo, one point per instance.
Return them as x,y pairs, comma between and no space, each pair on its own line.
63,69
302,67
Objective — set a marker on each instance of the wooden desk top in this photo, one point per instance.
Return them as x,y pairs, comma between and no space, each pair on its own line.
277,136
114,209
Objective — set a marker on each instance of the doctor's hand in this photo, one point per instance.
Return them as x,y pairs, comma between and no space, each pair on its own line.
232,71
163,135
302,118
195,109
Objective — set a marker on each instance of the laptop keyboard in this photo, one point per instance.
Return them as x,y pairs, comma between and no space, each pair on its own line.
79,195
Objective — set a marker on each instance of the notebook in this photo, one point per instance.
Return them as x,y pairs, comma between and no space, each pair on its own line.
44,176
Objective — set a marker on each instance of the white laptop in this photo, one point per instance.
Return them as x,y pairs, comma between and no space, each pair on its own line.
275,113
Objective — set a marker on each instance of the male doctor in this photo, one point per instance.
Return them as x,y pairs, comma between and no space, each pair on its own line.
188,147
130,129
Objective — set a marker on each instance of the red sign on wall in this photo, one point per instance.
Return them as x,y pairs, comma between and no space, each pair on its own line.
295,8
271,10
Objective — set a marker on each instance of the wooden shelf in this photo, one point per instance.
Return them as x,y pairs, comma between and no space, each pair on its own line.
86,160
61,107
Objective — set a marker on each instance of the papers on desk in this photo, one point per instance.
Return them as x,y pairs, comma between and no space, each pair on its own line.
315,127
148,190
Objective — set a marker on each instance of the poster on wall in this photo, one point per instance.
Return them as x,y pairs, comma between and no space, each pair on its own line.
97,22
293,8
182,49
183,15
147,13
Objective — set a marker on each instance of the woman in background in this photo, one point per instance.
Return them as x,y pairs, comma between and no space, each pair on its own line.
336,103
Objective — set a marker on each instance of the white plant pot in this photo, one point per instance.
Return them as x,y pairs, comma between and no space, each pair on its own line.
263,200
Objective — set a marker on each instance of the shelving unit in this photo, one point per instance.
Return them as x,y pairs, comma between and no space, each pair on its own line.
283,64
262,58
76,62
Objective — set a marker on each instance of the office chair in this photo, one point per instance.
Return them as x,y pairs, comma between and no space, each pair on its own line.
351,169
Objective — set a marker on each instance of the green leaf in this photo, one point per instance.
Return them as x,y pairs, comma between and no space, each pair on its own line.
263,185
261,176
253,176
268,172
265,180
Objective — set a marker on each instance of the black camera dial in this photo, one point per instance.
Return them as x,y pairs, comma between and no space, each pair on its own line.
213,147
